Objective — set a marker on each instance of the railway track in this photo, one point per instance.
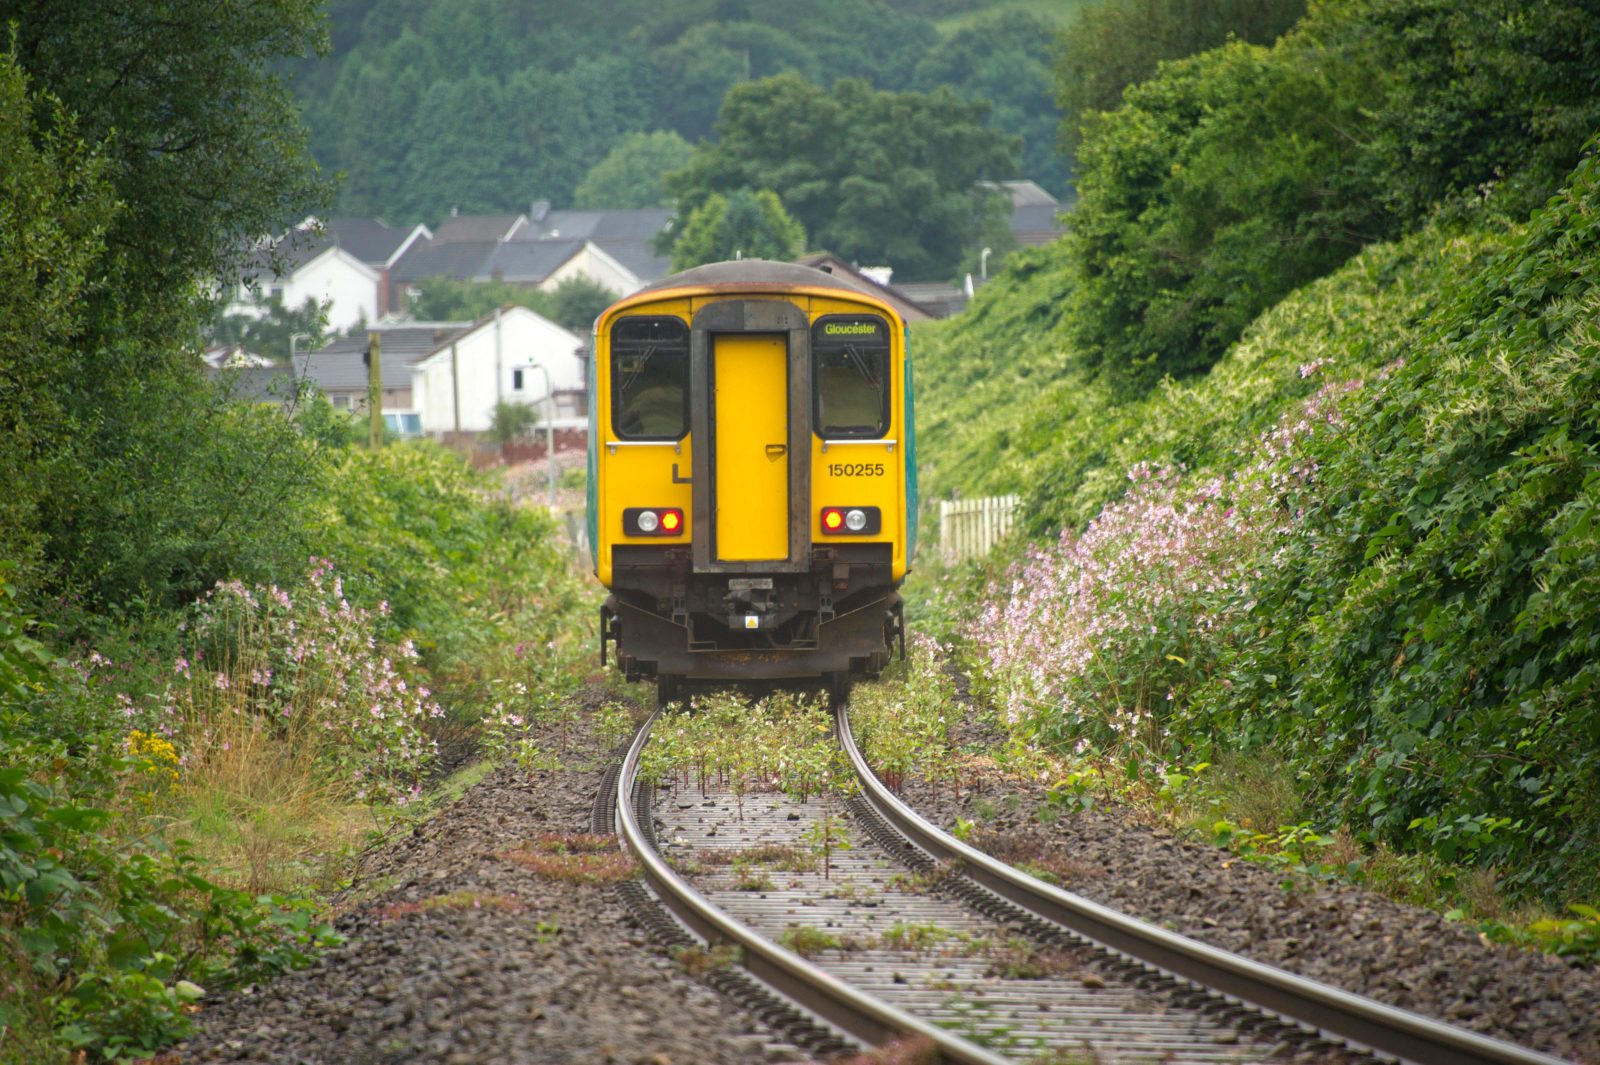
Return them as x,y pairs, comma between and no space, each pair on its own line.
943,967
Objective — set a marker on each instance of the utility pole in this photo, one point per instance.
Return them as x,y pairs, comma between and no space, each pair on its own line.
375,389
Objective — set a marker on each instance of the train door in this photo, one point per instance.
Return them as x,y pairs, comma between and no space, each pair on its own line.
750,412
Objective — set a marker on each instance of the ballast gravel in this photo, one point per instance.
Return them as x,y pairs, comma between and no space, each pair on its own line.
459,956
553,971
1339,934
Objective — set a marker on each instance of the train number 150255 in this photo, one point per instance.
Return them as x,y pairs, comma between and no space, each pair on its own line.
855,469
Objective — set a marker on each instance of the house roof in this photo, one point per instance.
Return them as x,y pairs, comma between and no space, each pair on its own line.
635,224
1025,193
488,320
938,298
472,228
371,240
255,384
340,365
896,298
529,261
637,257
1037,224
433,258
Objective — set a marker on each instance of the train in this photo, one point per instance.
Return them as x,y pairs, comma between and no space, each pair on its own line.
752,507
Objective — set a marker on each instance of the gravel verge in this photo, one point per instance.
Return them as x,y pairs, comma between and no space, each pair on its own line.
460,956
1407,956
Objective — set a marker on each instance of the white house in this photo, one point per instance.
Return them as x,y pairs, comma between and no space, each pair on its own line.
342,264
511,356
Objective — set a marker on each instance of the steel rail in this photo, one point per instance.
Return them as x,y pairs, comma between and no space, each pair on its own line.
787,974
1339,1015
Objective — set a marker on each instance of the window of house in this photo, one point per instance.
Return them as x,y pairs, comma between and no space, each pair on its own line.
403,423
850,374
516,380
340,402
650,378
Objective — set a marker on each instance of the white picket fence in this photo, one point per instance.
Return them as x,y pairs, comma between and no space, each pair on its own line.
970,527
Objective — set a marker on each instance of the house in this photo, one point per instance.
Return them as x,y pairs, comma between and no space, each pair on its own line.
541,249
1035,214
342,264
511,356
340,368
864,277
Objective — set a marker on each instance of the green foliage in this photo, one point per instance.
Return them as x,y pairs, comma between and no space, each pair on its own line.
557,88
1002,353
1232,177
632,173
133,484
743,224
1113,44
513,421
56,202
1202,203
276,332
870,175
113,936
1006,60
1402,608
574,304
1434,634
1576,937
205,141
481,582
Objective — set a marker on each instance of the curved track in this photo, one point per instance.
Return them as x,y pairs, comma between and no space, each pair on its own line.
1005,892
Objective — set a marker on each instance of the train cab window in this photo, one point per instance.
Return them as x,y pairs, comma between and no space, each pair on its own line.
850,372
650,378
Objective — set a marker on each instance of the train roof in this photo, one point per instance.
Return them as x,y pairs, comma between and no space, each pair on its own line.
748,274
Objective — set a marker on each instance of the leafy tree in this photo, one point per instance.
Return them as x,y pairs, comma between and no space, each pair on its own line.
574,304
743,224
141,486
269,332
577,302
1233,176
1113,44
873,176
56,202
545,127
1200,205
631,175
1006,60
1501,94
204,140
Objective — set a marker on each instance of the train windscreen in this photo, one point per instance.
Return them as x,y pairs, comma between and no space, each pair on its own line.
650,378
850,371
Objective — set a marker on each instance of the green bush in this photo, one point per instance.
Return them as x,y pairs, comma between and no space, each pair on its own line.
480,583
1431,631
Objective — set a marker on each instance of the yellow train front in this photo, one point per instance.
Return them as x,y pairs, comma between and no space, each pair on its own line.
752,477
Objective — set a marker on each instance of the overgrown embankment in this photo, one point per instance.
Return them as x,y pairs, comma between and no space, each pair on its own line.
179,786
1360,545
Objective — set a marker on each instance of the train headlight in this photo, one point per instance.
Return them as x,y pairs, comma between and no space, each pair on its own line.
851,521
652,521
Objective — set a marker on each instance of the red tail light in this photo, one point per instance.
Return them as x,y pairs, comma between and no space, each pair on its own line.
652,521
851,521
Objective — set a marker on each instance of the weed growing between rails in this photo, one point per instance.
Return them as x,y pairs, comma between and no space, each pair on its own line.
781,743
